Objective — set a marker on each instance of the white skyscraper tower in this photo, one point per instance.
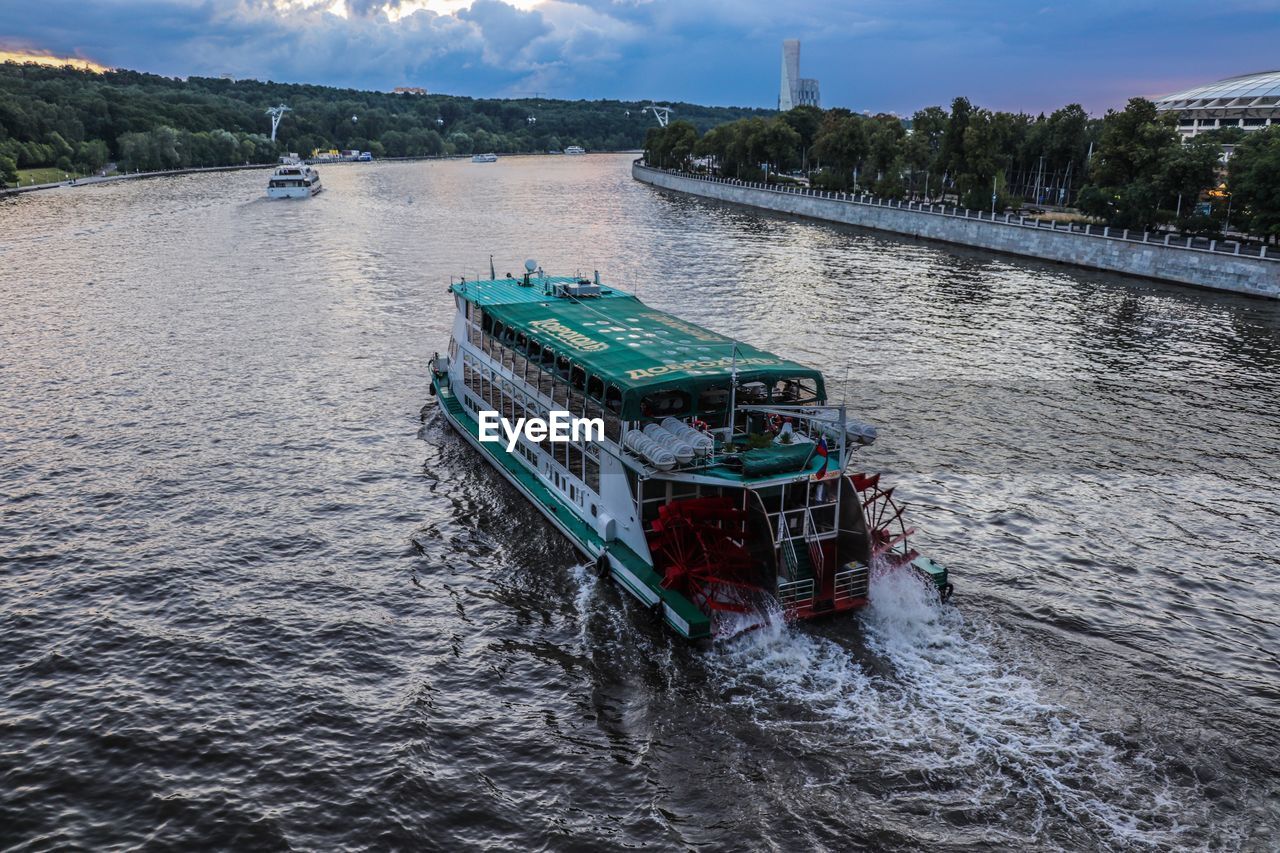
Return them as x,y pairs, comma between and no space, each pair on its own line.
795,91
789,94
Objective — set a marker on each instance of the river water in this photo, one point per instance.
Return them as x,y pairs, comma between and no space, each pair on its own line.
256,594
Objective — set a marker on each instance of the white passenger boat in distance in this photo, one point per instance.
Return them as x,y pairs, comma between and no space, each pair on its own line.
575,149
484,158
293,180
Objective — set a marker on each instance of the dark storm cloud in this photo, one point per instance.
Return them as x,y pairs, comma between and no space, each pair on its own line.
872,54
505,29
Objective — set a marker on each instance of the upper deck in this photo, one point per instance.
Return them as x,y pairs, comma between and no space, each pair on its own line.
631,352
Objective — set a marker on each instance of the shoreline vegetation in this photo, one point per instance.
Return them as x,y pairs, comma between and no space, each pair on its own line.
81,121
1128,169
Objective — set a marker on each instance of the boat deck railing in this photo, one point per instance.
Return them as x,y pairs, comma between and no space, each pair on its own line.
852,583
795,593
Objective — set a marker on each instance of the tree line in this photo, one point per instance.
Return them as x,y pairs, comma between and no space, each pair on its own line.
1129,168
79,121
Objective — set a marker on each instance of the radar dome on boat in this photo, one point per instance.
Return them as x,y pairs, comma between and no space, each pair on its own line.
530,265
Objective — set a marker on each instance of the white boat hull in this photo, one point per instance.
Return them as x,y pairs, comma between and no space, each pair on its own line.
294,192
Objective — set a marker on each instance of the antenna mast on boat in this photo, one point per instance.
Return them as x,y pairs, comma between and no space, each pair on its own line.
733,392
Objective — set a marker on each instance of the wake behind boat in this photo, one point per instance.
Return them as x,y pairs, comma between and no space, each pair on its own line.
719,489
293,180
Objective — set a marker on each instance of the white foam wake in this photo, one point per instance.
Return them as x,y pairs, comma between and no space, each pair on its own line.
586,582
936,702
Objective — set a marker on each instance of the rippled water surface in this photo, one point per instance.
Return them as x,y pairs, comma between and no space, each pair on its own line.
256,594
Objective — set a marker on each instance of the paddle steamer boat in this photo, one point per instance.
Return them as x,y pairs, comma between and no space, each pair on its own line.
723,492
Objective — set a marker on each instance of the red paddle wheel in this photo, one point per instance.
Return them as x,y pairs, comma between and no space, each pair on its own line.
697,547
885,526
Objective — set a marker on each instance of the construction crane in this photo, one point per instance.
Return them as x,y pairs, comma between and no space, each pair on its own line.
276,114
662,114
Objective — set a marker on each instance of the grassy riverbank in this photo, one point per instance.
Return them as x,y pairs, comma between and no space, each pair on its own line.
45,175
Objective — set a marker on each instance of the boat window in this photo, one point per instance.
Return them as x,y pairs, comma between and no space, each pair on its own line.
595,387
576,401
665,404
798,390
577,377
713,400
486,322
753,392
613,399
562,367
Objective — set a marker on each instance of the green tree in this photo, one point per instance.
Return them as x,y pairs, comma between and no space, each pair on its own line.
1126,171
1186,171
8,171
1254,180
91,155
885,142
806,121
670,147
981,156
922,147
842,145
460,143
951,153
681,137
778,144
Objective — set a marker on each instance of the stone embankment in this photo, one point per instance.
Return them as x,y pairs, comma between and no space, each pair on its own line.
1215,264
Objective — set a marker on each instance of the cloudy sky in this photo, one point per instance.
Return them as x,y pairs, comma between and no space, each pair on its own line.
890,55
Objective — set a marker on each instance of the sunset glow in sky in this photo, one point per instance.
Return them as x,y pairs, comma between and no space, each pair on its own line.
890,55
46,58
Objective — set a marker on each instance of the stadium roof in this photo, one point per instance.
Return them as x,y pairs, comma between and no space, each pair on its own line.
1248,90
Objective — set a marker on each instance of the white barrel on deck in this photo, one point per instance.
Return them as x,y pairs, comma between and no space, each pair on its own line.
682,449
646,448
701,443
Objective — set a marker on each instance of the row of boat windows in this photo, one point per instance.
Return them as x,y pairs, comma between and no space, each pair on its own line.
511,401
281,183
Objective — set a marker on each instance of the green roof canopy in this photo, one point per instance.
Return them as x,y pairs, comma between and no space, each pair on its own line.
627,344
